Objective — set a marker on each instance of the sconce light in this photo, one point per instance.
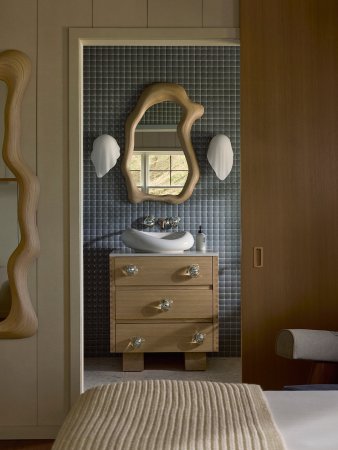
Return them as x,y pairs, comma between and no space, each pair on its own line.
106,152
220,155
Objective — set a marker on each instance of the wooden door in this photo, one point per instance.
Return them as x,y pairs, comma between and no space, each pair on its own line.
289,141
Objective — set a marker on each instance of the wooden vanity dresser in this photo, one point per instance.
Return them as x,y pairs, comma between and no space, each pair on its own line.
164,303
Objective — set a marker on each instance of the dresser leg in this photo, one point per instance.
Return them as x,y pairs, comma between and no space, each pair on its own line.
133,362
195,361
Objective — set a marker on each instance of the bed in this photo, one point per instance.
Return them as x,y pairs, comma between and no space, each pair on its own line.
199,415
307,420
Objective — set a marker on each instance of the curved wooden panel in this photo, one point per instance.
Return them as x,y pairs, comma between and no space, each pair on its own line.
153,94
21,321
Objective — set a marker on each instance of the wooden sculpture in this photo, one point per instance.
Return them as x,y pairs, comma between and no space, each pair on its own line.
21,321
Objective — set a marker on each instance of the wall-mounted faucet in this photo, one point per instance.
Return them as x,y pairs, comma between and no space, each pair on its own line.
163,222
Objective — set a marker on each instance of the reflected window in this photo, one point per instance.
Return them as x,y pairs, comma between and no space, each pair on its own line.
158,172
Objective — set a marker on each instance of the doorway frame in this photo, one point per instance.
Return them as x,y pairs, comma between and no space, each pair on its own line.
78,39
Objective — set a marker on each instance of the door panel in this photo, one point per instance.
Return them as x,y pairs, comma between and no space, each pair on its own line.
289,141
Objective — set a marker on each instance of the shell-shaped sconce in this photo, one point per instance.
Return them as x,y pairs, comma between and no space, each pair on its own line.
220,155
105,154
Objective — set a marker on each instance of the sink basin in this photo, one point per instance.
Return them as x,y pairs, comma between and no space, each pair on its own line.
161,242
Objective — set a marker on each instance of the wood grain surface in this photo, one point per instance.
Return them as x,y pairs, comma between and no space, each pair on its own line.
163,271
289,142
21,321
144,304
170,337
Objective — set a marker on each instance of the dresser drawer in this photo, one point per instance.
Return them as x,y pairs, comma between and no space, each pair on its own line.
163,270
184,304
171,337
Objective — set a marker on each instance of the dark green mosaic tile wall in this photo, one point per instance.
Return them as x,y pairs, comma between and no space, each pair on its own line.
114,77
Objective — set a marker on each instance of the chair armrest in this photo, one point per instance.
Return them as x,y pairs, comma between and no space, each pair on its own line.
314,345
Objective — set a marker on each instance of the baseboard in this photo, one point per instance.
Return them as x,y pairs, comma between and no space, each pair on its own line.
28,432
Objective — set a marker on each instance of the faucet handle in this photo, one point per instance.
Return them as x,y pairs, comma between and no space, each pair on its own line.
149,221
174,221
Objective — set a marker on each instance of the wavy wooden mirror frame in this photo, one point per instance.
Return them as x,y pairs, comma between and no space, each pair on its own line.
21,321
153,94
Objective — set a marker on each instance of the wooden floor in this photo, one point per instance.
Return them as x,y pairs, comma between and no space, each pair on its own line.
42,444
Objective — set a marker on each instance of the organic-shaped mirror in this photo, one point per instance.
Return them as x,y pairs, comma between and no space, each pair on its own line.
8,216
159,161
21,319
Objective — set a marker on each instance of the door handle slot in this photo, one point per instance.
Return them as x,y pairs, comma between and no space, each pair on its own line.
258,257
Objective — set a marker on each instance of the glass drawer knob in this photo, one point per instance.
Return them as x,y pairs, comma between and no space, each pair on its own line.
194,270
136,341
165,304
198,337
130,270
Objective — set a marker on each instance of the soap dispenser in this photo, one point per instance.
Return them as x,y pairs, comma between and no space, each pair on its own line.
201,241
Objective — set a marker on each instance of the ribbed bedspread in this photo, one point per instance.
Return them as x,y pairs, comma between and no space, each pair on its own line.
170,415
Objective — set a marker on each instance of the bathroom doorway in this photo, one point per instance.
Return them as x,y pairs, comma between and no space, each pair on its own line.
111,78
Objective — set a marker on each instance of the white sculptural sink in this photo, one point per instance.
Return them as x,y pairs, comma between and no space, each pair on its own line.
161,242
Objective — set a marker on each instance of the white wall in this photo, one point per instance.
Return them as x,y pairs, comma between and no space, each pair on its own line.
34,374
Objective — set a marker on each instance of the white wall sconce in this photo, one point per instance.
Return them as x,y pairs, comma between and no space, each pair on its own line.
105,154
220,155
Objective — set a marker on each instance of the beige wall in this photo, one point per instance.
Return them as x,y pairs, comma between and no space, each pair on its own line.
34,375
18,359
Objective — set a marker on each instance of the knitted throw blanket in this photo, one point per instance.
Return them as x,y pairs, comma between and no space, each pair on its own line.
170,415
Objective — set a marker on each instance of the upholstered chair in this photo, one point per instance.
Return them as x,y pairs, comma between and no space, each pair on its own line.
319,346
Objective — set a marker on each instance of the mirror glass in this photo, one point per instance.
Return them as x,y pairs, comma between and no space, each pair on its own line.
158,164
8,216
